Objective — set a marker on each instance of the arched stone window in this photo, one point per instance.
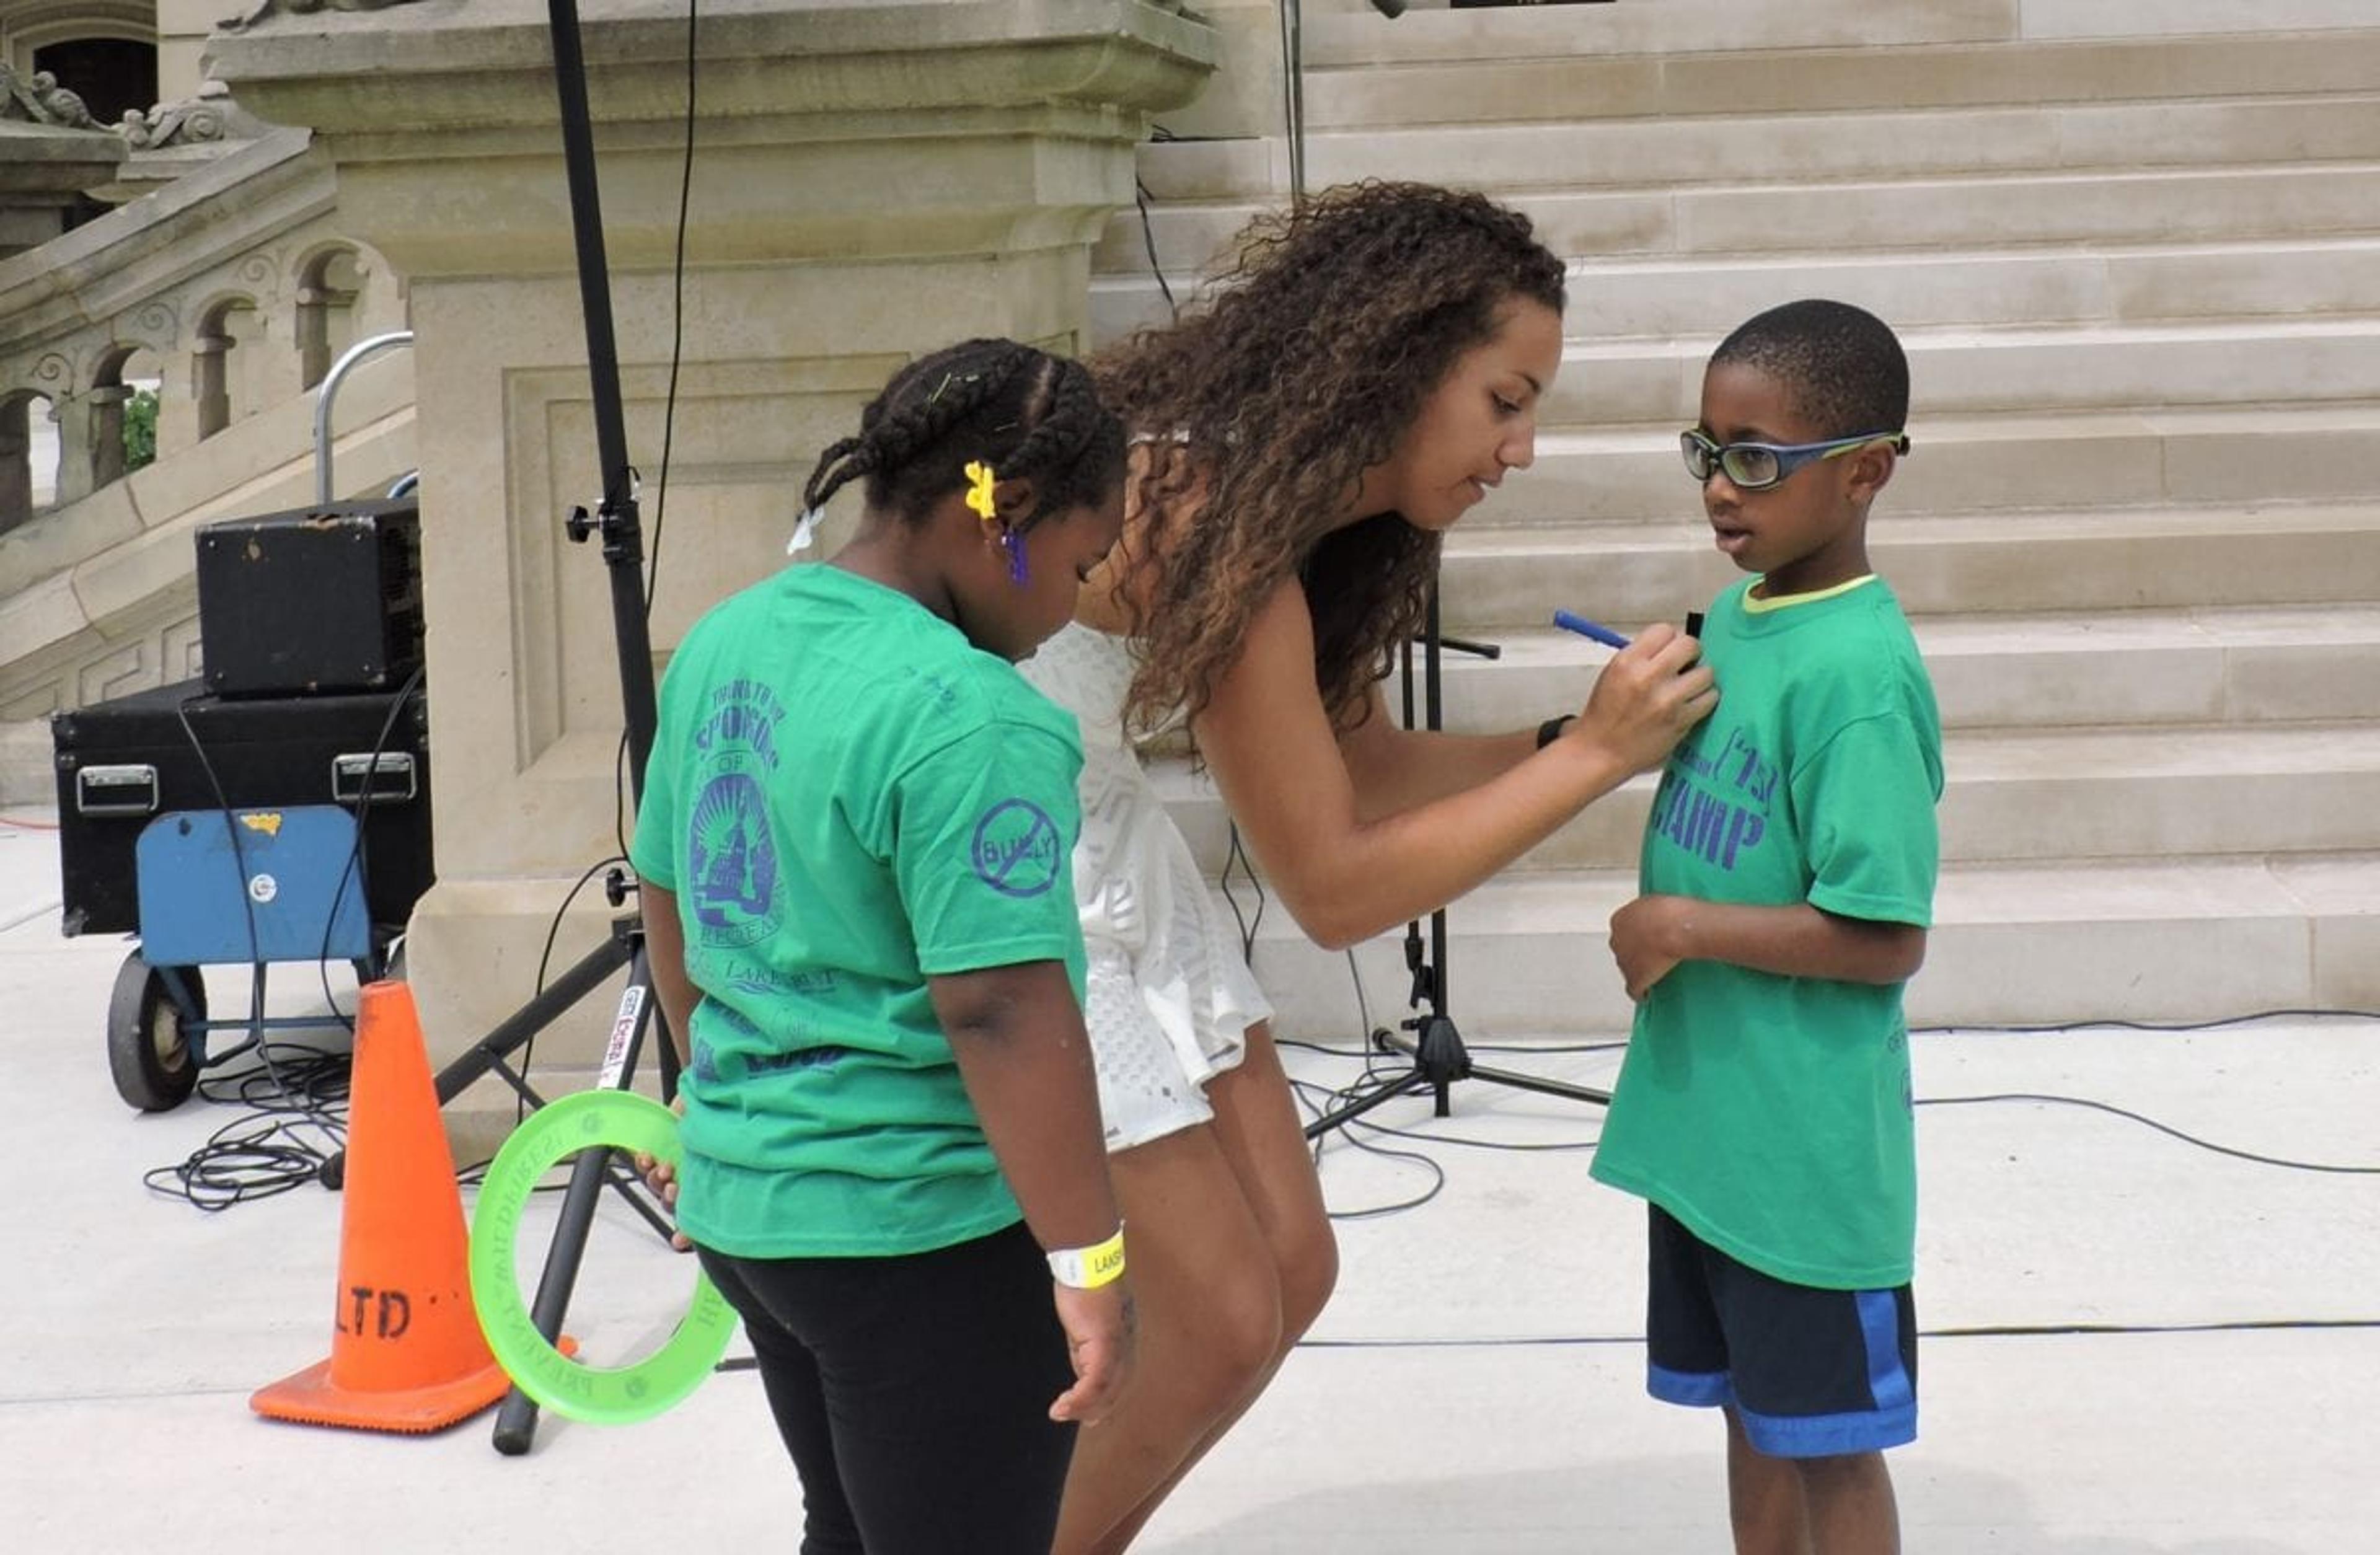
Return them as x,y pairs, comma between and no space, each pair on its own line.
103,51
29,458
222,328
328,285
112,76
124,373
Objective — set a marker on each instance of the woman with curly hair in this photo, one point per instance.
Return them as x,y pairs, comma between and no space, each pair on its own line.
1301,440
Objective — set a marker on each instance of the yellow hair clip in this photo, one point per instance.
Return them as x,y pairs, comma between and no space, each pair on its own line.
980,477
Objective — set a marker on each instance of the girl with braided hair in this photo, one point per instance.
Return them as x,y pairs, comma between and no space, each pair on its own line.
1301,441
854,844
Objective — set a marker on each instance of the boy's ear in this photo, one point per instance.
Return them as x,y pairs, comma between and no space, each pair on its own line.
1872,468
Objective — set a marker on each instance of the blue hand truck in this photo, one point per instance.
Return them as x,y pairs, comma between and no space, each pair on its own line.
219,887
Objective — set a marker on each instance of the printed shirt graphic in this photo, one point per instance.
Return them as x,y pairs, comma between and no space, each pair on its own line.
1772,1115
848,797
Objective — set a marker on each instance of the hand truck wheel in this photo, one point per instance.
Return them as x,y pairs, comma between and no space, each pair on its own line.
149,1053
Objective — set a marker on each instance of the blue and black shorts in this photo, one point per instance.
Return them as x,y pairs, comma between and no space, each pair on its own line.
1810,1373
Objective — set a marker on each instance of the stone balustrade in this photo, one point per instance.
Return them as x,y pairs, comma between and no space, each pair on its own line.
232,289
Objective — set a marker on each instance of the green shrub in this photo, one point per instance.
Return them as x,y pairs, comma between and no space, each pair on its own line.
140,429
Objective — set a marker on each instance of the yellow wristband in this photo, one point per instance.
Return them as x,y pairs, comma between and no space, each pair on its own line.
1086,1269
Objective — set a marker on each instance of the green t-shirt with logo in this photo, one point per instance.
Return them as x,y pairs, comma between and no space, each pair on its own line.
848,797
1772,1115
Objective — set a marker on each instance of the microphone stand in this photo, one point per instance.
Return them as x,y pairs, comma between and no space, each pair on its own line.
1435,1045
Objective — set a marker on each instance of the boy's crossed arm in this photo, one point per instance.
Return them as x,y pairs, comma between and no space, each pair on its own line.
1652,934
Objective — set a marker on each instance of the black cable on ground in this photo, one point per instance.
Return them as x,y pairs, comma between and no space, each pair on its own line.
296,1120
1317,1100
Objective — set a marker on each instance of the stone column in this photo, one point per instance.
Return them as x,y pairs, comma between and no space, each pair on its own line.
210,383
91,440
870,180
16,462
178,410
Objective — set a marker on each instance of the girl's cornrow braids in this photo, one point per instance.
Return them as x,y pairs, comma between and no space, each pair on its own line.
961,388
842,460
1065,429
888,432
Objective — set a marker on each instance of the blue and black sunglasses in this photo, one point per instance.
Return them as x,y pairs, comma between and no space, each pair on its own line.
1755,467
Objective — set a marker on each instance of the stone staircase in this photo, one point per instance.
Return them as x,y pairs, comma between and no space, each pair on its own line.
2134,251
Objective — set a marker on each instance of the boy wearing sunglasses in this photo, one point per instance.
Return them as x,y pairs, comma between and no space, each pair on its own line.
1763,1110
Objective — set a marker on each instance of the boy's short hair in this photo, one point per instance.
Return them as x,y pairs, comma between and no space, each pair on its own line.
1841,367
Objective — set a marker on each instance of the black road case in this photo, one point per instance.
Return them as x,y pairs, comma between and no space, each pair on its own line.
122,762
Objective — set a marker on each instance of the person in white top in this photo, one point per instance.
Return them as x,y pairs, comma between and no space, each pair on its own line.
1304,436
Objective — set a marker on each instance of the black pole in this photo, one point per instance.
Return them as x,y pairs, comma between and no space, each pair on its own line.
1435,1045
624,557
623,546
515,1429
1434,717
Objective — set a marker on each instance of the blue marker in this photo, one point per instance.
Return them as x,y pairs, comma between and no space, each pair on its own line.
1587,628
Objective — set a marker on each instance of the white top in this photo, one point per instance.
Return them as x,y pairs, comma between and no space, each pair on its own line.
1168,997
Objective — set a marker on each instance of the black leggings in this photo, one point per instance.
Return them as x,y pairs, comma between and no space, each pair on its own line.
914,1393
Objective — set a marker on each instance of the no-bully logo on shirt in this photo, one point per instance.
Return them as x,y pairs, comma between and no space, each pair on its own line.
1015,849
731,854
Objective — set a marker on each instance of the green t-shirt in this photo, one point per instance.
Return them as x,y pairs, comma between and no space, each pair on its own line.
1772,1115
848,797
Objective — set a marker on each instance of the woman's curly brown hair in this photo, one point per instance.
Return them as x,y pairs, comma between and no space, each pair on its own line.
1266,403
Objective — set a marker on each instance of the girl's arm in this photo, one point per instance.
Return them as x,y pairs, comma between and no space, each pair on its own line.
665,964
1019,1037
1653,934
1346,869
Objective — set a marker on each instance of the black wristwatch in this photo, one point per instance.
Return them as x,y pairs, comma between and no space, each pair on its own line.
1551,729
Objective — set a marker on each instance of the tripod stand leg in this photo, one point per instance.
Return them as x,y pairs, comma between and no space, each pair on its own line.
1440,1058
490,1052
1543,1086
1404,1085
583,977
516,1419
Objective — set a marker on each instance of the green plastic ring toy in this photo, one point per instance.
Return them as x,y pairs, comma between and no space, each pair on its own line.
614,1396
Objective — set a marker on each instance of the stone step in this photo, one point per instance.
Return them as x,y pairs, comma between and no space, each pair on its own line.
2167,938
2062,560
1819,148
1488,77
1346,36
2193,205
2243,668
1960,371
2044,794
2143,284
1675,31
1955,370
1997,463
2097,18
2019,287
1691,159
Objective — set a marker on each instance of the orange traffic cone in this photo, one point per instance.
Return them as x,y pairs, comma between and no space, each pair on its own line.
406,1354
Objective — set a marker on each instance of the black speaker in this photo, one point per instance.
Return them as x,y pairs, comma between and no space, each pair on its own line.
120,762
313,600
